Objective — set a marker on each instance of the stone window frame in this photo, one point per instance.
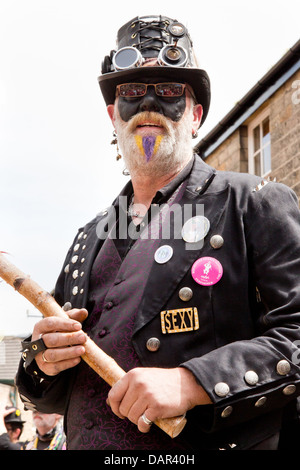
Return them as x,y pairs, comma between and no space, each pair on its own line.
253,152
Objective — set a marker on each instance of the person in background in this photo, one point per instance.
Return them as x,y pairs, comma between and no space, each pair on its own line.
49,432
14,426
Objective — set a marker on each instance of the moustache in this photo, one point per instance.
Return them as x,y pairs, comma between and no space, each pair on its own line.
149,117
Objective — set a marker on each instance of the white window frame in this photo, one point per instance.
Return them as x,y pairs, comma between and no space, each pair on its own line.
253,124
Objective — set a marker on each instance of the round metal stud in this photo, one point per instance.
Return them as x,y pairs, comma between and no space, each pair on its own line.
67,269
67,306
75,274
185,294
153,344
217,241
251,377
74,259
76,247
226,412
260,402
289,390
75,290
283,367
177,29
222,389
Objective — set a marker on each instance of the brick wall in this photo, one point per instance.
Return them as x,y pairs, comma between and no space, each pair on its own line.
285,134
284,107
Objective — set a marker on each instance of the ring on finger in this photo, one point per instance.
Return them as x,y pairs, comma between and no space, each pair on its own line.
43,357
146,420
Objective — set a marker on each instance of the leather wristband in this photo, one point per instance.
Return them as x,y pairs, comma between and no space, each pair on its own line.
30,349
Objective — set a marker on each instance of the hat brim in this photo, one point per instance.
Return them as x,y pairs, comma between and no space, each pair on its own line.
196,78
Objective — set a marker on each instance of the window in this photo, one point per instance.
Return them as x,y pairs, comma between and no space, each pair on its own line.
259,139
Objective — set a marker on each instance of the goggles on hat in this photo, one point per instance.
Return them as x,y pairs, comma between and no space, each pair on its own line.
130,57
170,55
137,90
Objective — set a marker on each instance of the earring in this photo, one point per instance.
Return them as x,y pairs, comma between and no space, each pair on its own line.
195,135
115,142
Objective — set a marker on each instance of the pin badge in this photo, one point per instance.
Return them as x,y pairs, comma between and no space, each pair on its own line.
195,229
163,254
207,271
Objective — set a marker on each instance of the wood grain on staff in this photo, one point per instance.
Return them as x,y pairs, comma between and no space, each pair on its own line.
95,357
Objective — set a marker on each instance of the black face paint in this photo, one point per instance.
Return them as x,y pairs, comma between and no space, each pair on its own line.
172,108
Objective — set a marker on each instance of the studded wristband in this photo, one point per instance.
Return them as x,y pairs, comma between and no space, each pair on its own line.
30,349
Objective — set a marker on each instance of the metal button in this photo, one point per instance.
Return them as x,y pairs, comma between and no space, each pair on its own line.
289,390
109,305
102,333
88,424
283,367
76,247
251,377
75,290
75,274
185,294
74,259
153,344
67,306
221,389
217,241
226,412
260,402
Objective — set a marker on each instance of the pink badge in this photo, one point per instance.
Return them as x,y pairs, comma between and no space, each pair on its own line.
207,271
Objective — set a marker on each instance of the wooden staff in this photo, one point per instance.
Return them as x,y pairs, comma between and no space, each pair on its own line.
95,357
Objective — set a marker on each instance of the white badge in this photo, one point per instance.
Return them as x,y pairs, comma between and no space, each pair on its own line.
195,229
163,254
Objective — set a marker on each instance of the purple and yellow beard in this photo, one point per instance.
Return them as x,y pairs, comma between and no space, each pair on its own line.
148,145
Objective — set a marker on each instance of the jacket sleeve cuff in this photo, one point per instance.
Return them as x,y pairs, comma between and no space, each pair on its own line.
40,392
241,394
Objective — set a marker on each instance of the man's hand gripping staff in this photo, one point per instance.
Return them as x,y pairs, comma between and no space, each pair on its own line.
94,356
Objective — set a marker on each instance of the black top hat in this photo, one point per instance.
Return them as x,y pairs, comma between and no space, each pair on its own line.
14,417
157,37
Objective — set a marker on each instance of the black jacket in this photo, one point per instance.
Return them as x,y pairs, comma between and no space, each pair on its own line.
245,352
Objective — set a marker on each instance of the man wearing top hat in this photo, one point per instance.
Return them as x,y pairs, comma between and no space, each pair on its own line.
190,280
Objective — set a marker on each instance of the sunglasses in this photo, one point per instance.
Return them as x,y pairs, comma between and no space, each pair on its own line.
136,90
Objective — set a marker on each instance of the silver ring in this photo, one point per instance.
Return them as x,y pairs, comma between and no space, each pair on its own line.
146,420
43,356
